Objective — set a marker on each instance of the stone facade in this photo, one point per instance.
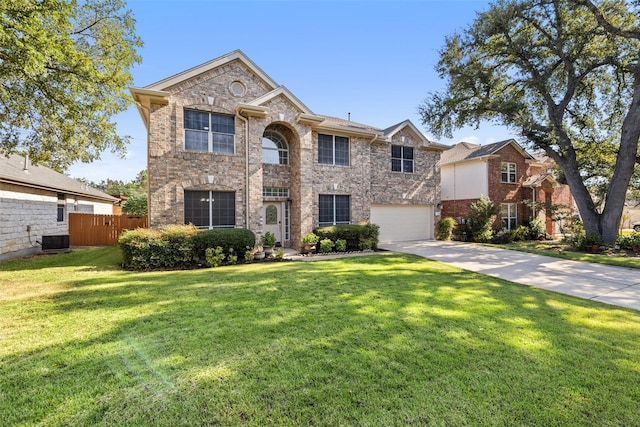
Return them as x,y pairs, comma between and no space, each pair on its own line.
27,214
234,86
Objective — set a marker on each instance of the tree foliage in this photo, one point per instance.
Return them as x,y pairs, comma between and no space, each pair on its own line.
565,75
136,192
64,69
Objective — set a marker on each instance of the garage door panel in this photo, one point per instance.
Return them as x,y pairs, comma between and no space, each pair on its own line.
403,223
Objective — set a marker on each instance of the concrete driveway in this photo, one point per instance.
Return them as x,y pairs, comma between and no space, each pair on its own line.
612,285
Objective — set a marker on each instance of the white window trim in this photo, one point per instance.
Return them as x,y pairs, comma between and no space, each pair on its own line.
333,148
402,159
511,214
509,173
210,134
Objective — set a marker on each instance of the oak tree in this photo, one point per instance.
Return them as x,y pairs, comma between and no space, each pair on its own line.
565,74
64,70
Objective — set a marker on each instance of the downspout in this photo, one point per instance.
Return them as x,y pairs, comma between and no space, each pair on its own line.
246,168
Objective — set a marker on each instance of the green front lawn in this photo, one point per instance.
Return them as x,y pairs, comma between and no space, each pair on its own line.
385,340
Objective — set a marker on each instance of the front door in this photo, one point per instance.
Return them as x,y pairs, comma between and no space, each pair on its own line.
272,214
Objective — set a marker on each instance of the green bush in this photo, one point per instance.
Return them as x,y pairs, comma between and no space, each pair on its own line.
341,245
137,247
537,229
481,215
445,228
227,238
310,238
629,242
214,257
326,245
353,234
179,246
521,233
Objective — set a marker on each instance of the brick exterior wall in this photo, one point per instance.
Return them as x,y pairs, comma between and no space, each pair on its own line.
367,180
500,192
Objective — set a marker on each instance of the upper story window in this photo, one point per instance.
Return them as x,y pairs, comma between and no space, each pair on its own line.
508,171
209,132
333,150
275,149
401,159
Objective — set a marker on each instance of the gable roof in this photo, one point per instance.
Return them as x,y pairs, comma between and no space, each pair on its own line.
156,93
286,93
535,181
210,65
408,124
18,170
465,151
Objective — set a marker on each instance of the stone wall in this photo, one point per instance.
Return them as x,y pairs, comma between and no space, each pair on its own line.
27,214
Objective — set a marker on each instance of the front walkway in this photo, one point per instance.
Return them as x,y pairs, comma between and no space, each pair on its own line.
612,285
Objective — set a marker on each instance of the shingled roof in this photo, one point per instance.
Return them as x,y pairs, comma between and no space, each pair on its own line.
464,151
18,170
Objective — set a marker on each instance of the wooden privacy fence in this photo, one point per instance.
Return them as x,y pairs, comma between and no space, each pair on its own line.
101,230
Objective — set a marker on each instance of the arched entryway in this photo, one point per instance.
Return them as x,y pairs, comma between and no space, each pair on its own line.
280,177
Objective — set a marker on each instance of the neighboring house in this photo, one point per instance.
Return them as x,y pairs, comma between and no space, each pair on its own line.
229,147
35,201
505,173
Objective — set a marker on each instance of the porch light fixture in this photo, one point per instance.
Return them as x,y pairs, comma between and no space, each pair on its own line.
281,115
404,195
403,138
335,186
211,99
210,179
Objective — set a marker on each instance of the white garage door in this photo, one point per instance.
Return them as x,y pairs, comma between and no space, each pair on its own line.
402,223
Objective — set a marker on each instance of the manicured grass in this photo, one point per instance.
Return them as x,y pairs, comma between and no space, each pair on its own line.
559,250
384,340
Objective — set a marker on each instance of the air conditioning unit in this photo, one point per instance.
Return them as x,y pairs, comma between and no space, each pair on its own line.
58,243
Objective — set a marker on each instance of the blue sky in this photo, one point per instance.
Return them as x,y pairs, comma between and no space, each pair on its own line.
374,59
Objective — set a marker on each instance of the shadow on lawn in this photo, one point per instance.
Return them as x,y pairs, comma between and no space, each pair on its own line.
389,339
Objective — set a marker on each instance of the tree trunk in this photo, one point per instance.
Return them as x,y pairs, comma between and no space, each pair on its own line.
625,164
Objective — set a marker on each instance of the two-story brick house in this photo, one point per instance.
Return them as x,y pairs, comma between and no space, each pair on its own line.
505,173
229,147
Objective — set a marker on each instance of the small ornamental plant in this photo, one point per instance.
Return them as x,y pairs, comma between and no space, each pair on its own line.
310,239
268,239
326,245
341,245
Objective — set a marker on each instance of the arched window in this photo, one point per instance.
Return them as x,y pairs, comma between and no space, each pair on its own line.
274,148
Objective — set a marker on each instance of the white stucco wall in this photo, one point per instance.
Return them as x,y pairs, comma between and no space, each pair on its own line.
462,181
26,214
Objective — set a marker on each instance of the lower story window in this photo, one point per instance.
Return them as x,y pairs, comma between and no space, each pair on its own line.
62,202
509,215
210,209
334,209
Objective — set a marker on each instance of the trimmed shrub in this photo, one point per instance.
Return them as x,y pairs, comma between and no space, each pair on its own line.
353,234
227,238
137,247
180,246
325,246
341,245
445,228
178,249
